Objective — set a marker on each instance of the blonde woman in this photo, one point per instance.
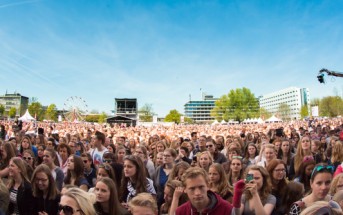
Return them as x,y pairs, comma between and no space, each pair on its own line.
205,160
78,202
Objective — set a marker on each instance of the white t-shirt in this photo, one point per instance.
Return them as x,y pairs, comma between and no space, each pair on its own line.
97,155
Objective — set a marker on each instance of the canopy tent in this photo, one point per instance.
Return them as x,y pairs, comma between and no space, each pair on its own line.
27,117
223,122
273,119
215,122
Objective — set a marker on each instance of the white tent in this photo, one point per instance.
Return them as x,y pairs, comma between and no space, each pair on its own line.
273,119
223,122
215,122
259,121
27,117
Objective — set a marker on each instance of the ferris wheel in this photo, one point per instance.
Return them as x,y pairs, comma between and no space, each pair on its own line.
75,109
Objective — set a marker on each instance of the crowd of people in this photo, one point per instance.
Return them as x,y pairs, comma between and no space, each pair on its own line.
82,168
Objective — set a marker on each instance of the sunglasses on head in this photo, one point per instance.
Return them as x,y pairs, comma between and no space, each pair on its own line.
322,168
67,210
237,157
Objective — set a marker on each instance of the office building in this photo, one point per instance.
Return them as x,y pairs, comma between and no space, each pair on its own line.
200,111
19,102
293,97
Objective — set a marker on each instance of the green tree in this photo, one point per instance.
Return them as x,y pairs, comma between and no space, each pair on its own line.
173,116
146,113
265,114
12,112
51,112
2,110
35,108
102,117
304,111
284,111
92,118
315,102
331,106
238,105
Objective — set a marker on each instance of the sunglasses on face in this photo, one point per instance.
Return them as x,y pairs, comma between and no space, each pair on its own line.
209,146
27,158
321,168
67,210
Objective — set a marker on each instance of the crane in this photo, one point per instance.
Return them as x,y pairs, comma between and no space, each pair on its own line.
331,73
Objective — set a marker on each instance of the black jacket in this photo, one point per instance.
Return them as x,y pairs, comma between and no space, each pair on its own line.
24,200
49,206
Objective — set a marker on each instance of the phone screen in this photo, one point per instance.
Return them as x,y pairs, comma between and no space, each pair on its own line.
249,177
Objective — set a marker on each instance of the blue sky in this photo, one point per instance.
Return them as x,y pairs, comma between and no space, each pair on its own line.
160,52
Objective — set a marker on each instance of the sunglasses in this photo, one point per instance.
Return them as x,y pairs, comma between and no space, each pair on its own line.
67,210
27,158
106,161
209,146
321,168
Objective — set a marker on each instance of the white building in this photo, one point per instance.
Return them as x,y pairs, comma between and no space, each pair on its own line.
294,97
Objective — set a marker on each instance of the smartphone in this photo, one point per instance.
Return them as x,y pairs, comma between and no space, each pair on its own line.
249,178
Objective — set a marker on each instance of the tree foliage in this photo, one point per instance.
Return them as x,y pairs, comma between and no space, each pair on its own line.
284,111
331,106
146,113
265,114
2,110
173,116
304,111
92,118
51,112
238,105
12,112
102,117
35,108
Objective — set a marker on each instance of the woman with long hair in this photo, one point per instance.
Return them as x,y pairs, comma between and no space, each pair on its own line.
45,192
277,172
39,159
20,188
134,180
178,170
7,152
143,202
294,191
104,170
303,149
257,198
169,191
321,178
205,160
162,172
337,184
269,153
49,159
107,202
218,182
236,170
285,153
250,153
26,143
337,154
75,173
304,173
120,152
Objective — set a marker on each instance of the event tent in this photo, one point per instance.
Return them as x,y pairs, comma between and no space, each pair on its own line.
27,117
273,119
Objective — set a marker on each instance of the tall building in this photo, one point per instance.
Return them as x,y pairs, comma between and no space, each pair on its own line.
293,97
200,111
14,100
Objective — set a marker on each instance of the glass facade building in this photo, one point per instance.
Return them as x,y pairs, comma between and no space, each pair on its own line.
15,100
200,111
